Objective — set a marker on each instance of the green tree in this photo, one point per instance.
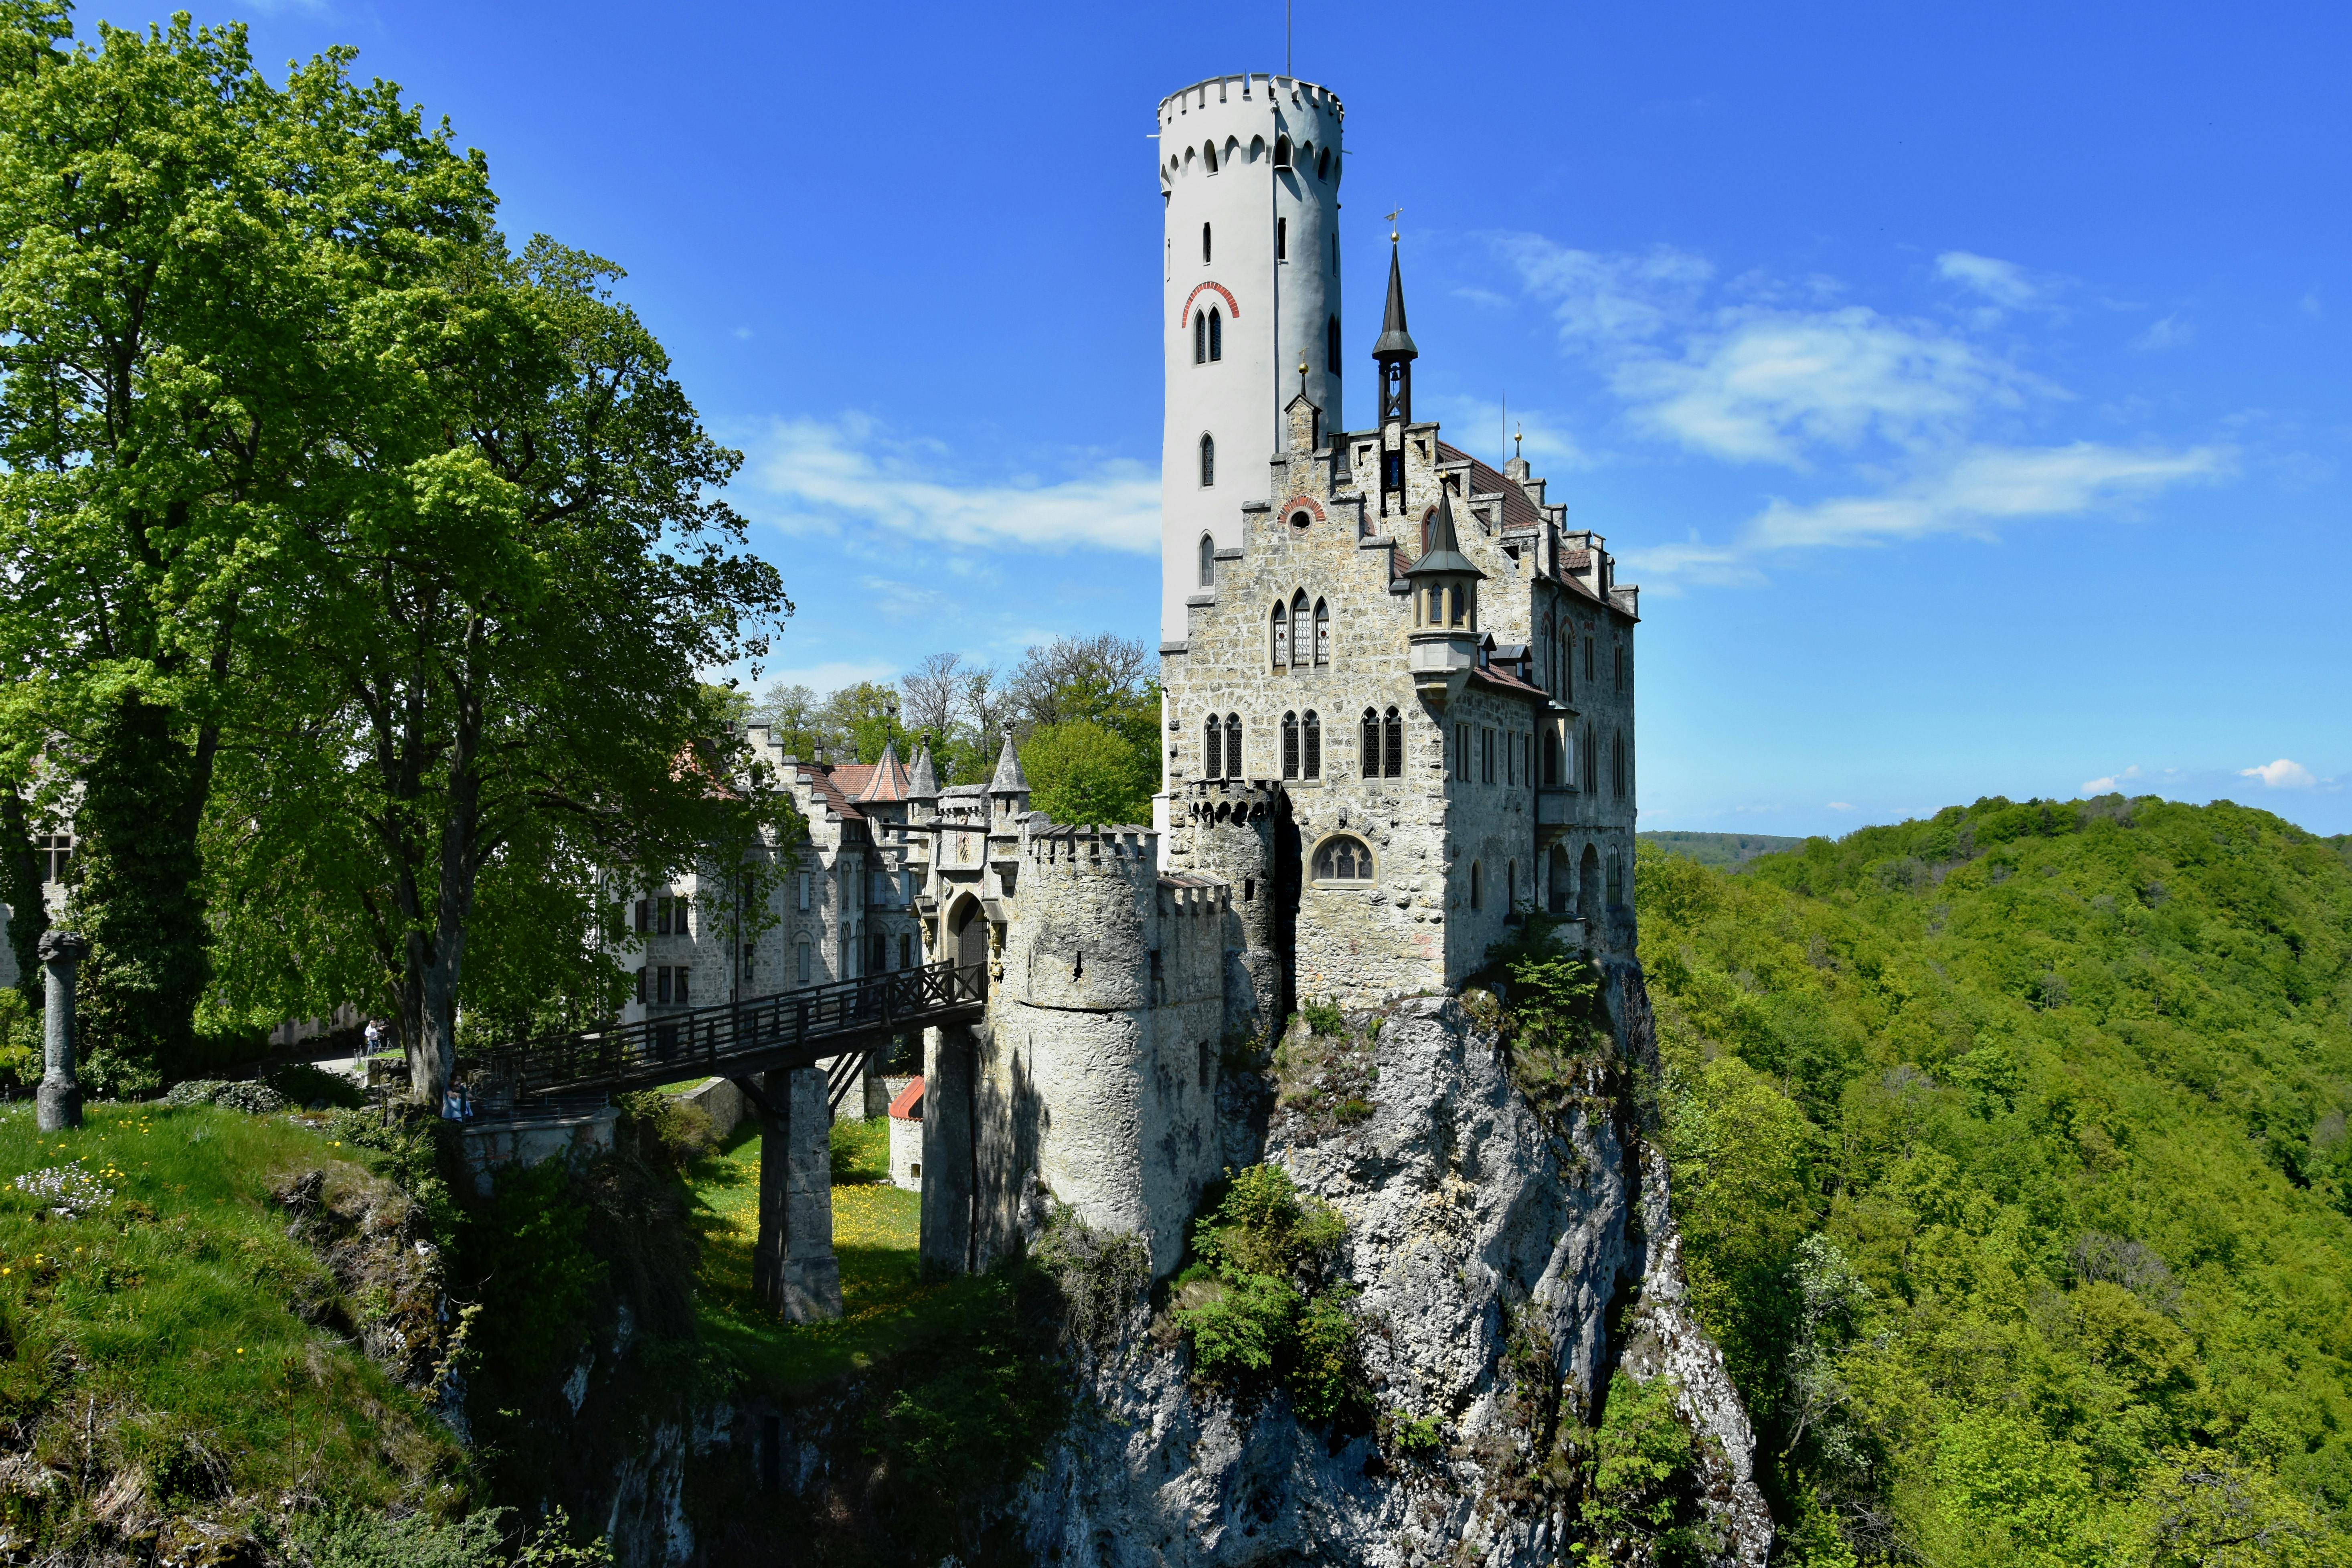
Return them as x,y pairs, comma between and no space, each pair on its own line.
187,253
1083,771
506,599
20,889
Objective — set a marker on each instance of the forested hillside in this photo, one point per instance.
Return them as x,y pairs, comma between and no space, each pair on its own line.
2010,1149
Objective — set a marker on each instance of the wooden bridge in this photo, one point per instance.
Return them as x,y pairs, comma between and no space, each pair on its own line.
844,1023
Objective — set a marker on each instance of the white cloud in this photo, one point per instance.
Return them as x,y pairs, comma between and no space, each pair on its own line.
1842,806
853,473
1911,418
1973,489
2171,332
2111,782
744,333
1611,299
2281,775
2005,283
1766,385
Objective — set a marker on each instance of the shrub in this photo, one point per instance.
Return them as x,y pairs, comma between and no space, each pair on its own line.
1259,1305
668,1130
1101,1274
253,1098
304,1084
1640,1481
1557,1031
1323,1017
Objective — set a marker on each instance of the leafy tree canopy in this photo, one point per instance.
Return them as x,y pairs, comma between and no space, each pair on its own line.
2009,1150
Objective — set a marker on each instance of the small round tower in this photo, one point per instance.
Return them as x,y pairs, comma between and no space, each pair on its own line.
1249,179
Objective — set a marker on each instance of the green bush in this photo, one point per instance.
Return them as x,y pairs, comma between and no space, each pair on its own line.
527,1248
1640,1481
1557,1032
1259,1304
305,1084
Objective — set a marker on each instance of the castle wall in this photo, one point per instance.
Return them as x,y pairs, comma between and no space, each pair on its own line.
1098,1074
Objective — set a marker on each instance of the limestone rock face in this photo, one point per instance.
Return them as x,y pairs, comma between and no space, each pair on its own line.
1480,1242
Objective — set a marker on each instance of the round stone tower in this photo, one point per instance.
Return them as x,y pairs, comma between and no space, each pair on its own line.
1249,178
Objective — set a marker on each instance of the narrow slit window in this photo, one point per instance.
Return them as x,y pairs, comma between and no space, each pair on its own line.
1200,337
1208,562
1208,461
1331,345
1204,245
1282,239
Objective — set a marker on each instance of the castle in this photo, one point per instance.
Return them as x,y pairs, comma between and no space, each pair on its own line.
1399,718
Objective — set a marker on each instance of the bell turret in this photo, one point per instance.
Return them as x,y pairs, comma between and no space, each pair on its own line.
1395,354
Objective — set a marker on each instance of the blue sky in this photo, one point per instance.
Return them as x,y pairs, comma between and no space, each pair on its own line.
1966,388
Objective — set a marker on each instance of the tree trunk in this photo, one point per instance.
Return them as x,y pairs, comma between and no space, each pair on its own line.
435,974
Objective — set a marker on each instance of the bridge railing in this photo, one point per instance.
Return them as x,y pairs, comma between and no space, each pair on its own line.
708,1039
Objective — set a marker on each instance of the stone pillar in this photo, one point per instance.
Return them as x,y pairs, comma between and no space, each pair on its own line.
948,1152
792,1268
58,1104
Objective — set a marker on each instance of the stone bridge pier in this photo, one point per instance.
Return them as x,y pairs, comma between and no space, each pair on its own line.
793,1268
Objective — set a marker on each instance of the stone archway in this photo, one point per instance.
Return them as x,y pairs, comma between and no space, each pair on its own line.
967,938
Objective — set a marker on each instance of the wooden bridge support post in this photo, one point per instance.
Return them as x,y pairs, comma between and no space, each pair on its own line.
949,1154
793,1268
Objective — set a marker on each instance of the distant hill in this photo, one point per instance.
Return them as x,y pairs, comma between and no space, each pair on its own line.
1720,848
2010,1149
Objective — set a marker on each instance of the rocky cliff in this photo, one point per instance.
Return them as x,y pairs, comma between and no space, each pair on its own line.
1506,1268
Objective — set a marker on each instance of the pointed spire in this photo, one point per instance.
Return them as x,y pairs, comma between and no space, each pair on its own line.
1009,779
923,779
888,779
1395,342
1444,551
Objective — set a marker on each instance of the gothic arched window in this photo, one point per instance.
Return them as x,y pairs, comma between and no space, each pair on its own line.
1369,754
1233,746
1323,164
1200,337
1213,751
1216,334
1310,743
1290,745
1208,461
1322,633
1302,647
1331,345
1392,745
1476,891
1282,151
1342,858
1208,562
1209,156
1281,642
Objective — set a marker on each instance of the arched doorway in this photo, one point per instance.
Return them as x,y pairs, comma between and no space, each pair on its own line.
1588,885
1561,874
970,927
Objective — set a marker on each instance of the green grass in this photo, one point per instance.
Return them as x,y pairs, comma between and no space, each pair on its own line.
885,1305
164,1322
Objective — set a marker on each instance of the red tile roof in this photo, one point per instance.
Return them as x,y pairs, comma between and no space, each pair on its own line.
908,1107
1494,675
820,779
